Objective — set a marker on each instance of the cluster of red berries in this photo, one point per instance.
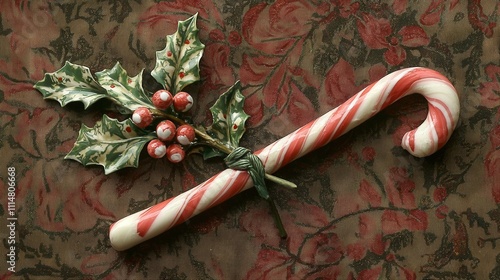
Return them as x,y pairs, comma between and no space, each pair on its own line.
166,131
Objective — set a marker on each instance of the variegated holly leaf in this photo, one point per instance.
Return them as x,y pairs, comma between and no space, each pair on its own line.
229,119
177,65
124,90
110,143
71,83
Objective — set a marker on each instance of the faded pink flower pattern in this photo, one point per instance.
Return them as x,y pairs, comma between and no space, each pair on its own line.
363,209
377,33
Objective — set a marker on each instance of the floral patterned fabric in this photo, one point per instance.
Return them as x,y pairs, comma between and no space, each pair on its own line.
364,208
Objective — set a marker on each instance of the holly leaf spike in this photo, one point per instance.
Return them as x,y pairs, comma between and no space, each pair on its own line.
229,119
124,90
177,65
110,143
69,84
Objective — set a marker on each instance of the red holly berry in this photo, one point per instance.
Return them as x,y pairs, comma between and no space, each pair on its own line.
162,99
182,102
175,153
165,130
142,117
156,148
185,134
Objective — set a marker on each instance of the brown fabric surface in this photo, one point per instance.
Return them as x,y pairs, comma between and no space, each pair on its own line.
364,208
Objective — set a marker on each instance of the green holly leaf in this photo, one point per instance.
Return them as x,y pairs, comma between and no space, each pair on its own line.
177,65
209,152
71,83
229,119
110,143
124,90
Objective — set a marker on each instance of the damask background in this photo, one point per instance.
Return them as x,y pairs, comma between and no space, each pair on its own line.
364,208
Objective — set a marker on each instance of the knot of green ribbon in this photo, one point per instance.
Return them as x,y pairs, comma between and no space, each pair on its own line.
243,159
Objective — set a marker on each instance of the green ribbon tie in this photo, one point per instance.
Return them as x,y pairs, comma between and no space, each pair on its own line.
242,159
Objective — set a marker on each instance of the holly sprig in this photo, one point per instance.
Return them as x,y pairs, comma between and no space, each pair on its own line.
156,119
177,66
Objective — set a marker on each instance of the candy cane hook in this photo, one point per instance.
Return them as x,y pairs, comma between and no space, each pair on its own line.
431,135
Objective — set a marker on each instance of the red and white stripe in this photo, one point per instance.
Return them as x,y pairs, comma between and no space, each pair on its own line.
431,135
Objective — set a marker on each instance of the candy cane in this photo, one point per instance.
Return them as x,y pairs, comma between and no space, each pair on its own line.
431,135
